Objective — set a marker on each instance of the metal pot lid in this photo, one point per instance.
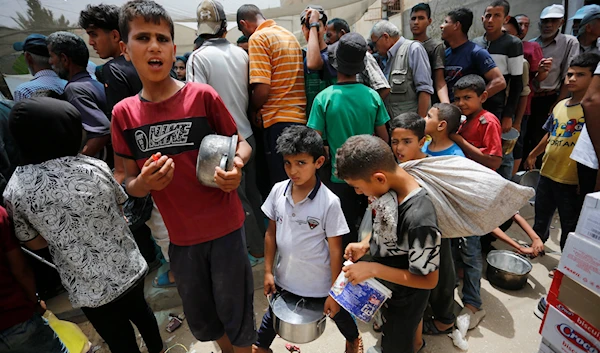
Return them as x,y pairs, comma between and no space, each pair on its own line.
509,262
293,309
512,134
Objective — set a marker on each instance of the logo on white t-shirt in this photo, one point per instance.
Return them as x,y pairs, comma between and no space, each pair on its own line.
312,222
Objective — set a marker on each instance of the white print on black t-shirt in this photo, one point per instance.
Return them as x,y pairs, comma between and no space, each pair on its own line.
165,135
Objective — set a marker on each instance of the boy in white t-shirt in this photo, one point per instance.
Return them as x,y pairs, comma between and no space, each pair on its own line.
306,225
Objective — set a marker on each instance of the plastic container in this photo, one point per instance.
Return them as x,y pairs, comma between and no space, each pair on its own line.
361,300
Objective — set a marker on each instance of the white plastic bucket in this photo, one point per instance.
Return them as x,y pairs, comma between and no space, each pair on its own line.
361,300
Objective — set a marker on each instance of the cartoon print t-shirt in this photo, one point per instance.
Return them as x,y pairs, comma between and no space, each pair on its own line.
564,125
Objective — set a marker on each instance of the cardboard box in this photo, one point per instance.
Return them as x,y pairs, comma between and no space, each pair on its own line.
589,219
564,336
545,347
580,260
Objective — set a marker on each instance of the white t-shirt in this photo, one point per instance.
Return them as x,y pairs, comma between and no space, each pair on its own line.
302,231
224,66
584,152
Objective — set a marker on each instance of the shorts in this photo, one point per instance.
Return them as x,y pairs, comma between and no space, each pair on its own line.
214,281
401,316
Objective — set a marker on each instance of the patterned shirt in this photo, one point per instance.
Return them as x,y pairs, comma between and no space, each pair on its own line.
43,80
73,203
276,60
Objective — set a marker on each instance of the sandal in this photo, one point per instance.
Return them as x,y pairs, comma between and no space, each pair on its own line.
292,348
423,346
429,328
162,281
551,272
360,346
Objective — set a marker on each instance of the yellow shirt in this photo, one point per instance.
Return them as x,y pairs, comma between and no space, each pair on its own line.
564,125
276,60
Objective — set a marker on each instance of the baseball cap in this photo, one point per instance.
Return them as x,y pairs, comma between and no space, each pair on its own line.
210,15
592,13
350,54
553,11
580,14
314,7
34,44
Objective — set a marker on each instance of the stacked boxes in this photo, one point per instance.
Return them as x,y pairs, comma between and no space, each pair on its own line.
572,319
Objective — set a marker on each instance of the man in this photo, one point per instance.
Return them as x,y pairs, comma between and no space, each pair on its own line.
224,66
407,69
36,56
464,57
69,56
562,48
372,75
276,76
242,42
587,149
524,22
420,19
589,30
101,23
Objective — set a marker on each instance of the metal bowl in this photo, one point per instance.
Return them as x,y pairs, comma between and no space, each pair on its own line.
509,140
507,269
528,178
215,151
297,319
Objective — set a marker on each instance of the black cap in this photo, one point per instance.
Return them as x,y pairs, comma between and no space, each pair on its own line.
350,54
34,44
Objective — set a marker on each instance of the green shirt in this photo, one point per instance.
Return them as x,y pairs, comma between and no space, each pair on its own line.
345,110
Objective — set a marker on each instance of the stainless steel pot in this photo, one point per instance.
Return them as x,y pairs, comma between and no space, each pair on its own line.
297,319
527,178
215,151
507,269
509,140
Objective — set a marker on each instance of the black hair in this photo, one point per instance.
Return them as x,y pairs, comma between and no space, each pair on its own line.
339,24
300,139
450,114
422,7
71,45
464,16
248,12
363,155
471,82
103,16
501,3
587,60
149,10
521,15
409,121
513,22
323,20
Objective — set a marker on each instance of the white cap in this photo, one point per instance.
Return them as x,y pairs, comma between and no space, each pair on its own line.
553,11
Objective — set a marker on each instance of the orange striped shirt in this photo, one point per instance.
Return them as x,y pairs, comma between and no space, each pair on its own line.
276,60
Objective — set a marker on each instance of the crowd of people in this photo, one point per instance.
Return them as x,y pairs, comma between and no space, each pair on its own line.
88,164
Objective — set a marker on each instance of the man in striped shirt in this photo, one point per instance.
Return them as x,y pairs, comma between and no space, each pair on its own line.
277,79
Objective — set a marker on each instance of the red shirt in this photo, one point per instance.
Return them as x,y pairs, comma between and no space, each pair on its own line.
484,132
14,306
193,213
532,52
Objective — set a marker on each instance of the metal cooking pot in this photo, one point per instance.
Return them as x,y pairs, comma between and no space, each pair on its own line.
215,151
509,140
297,319
507,269
527,178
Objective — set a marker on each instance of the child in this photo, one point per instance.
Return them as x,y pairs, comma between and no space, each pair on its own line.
337,118
480,136
442,120
406,261
407,132
207,250
558,185
306,225
70,203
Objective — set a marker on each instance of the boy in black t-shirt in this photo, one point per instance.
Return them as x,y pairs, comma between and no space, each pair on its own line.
405,245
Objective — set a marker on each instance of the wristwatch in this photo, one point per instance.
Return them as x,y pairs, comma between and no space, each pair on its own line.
314,24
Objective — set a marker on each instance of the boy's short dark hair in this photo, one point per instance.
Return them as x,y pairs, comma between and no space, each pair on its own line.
587,60
71,45
471,82
409,121
149,10
513,22
464,16
339,24
248,12
363,155
304,20
450,114
422,7
300,139
103,16
501,3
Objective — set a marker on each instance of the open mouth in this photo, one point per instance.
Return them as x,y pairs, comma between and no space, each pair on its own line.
155,63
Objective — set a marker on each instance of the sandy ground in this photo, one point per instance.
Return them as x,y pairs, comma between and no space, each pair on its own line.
510,325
